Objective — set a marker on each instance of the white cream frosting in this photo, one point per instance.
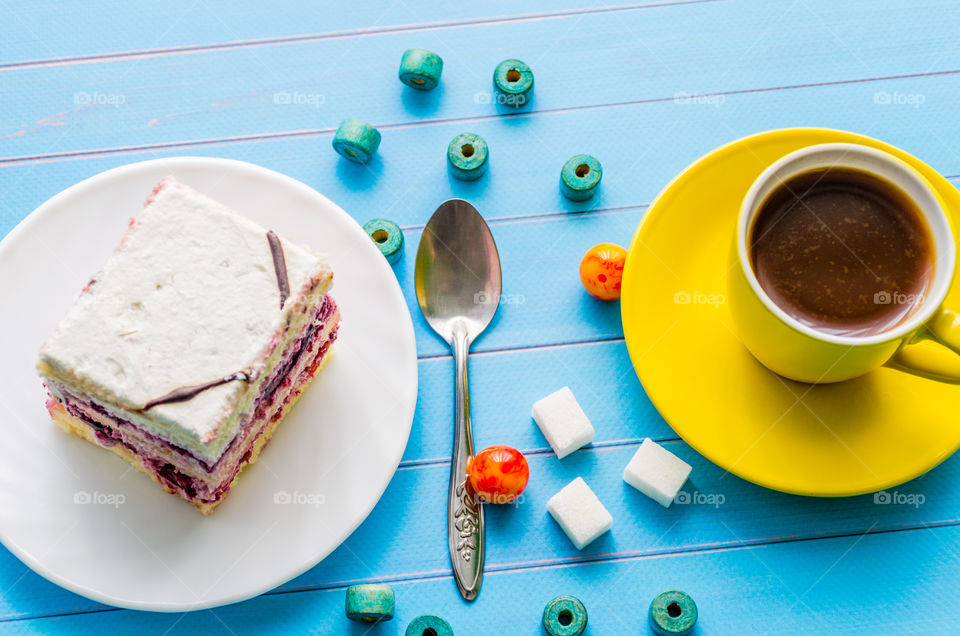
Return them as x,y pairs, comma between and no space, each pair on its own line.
190,295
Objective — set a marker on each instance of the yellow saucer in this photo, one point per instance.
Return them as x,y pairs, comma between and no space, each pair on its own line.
849,438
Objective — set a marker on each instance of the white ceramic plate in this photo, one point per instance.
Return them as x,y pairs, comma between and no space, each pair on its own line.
80,517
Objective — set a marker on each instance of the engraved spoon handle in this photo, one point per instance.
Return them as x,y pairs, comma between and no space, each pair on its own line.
464,512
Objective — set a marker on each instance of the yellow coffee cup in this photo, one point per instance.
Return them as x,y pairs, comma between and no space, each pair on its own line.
802,352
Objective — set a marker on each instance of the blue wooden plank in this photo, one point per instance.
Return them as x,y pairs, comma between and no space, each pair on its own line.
540,256
410,177
836,586
640,55
32,34
505,386
403,542
726,510
543,300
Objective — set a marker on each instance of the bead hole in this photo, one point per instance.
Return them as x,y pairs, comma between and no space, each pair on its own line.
674,610
350,152
565,617
466,150
429,632
513,75
419,82
582,170
380,236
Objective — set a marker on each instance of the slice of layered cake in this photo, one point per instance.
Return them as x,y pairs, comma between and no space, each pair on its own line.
190,345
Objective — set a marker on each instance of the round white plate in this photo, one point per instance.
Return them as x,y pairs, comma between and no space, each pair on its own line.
82,518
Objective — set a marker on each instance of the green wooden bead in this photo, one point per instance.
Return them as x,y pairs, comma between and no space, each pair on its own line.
370,603
429,625
673,613
565,616
420,69
467,156
387,236
356,140
580,177
513,83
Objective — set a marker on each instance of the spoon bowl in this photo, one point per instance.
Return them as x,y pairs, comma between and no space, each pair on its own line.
457,271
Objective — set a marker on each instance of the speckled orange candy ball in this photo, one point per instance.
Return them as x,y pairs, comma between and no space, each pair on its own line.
601,270
498,474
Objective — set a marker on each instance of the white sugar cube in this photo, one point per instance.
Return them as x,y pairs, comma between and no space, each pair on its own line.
656,472
580,514
563,422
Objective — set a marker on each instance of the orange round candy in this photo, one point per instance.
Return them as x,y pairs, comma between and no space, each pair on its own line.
601,270
498,474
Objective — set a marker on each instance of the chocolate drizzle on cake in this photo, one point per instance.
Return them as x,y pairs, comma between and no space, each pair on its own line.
279,266
185,393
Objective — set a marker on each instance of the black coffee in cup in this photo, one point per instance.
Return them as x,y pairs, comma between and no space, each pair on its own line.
842,251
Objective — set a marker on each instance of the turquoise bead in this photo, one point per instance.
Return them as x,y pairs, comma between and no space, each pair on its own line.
387,236
429,625
513,83
370,603
673,613
467,156
580,177
420,69
356,140
565,616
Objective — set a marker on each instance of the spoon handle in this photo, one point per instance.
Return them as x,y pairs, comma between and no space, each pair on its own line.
464,512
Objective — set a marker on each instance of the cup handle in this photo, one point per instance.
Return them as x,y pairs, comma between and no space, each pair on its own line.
944,329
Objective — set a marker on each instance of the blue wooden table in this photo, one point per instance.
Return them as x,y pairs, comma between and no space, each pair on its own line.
645,87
